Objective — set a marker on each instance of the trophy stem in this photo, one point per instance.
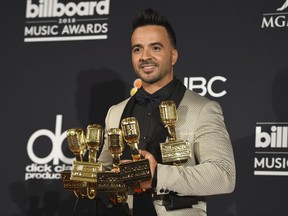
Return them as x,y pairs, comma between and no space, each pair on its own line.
92,155
116,160
135,151
171,132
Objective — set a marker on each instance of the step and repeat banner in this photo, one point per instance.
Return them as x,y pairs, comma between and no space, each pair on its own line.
65,62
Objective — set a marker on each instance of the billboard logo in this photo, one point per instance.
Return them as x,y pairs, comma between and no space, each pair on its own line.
52,20
40,168
277,19
48,8
271,149
277,138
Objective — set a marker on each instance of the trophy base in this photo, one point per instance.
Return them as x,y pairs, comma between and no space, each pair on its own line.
80,189
175,152
135,171
85,171
110,182
70,185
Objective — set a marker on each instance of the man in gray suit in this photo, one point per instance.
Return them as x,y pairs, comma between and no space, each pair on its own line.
177,190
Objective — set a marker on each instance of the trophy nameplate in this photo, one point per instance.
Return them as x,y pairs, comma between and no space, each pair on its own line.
79,188
85,171
69,184
139,169
110,182
135,171
174,151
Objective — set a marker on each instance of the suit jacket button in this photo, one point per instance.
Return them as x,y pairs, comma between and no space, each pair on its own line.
166,191
161,190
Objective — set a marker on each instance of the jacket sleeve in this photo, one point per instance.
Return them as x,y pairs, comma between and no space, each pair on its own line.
214,172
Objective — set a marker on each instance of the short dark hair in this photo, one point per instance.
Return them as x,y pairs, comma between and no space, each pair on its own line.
153,17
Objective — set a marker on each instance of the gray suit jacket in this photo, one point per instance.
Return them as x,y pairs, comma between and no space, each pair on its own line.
201,122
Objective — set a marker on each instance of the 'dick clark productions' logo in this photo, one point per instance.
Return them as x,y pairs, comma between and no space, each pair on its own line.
51,165
278,18
66,20
271,149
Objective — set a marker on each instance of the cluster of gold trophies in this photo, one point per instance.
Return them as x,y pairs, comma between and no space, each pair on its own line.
88,177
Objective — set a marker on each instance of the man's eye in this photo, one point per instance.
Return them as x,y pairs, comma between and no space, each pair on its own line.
136,50
156,48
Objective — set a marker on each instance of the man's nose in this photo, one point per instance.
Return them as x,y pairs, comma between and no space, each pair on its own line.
146,54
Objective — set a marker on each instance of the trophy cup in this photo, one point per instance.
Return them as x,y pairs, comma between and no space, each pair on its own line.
110,181
139,169
174,151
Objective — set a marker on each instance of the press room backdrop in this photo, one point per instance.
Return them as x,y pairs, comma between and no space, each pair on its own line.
65,62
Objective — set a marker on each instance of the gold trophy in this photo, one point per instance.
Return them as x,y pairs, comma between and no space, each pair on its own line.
139,169
110,181
76,144
83,176
174,151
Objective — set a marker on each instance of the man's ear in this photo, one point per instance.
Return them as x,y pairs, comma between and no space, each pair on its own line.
174,56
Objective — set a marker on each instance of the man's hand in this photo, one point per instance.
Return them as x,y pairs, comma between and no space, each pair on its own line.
153,163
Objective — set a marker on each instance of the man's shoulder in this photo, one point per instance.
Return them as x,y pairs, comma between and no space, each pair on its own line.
114,114
194,101
191,96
